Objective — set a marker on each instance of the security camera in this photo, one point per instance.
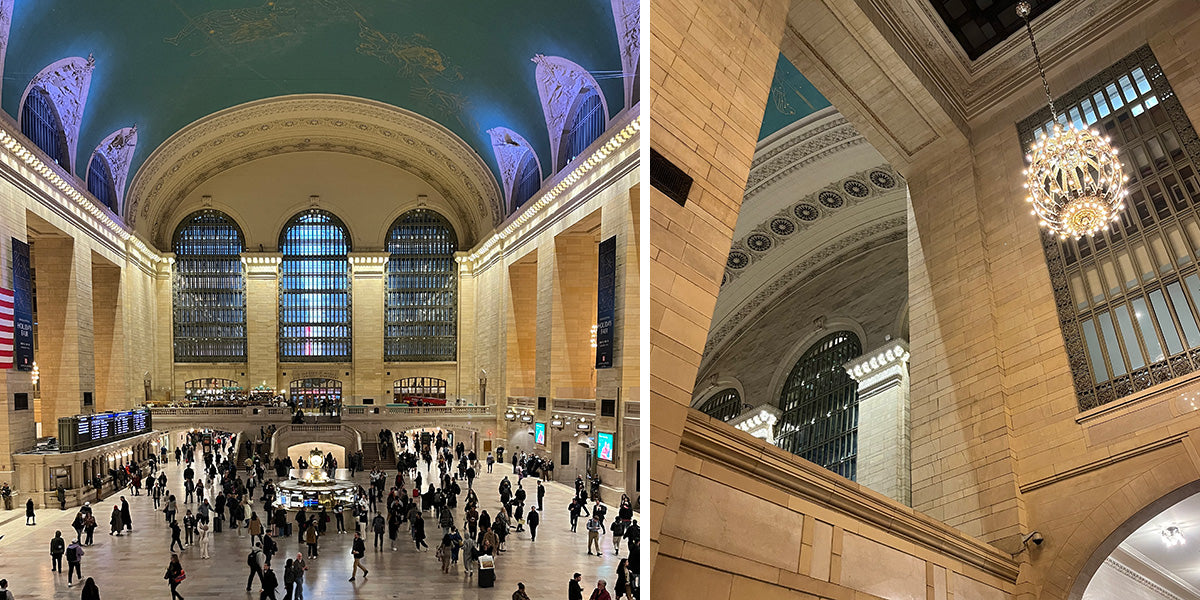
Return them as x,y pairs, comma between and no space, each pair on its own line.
1034,537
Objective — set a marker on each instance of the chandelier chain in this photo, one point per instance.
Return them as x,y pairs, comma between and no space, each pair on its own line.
1037,57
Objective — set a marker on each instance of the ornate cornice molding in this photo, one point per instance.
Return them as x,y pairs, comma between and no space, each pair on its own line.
313,122
825,138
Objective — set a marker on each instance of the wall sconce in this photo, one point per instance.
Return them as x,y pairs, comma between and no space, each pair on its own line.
557,422
509,415
526,417
583,425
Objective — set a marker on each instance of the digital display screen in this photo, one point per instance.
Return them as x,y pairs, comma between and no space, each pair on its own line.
539,433
101,428
604,446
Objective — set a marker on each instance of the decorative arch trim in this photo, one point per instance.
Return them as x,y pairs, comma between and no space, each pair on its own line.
559,82
814,334
66,82
117,150
6,10
627,14
315,122
716,387
510,148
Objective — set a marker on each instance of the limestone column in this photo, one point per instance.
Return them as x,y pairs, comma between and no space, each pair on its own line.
367,290
466,384
573,302
713,65
163,377
109,337
521,324
64,308
262,317
884,463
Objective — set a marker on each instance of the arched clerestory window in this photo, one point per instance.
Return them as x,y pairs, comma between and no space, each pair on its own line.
819,402
528,182
724,405
314,289
422,289
209,289
586,124
41,124
100,182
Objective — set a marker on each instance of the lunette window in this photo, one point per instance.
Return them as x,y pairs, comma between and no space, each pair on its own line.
314,289
422,289
209,289
819,402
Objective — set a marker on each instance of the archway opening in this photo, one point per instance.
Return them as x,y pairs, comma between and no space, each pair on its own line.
1155,557
295,452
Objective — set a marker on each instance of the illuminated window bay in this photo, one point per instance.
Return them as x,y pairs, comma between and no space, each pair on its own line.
314,289
209,289
422,289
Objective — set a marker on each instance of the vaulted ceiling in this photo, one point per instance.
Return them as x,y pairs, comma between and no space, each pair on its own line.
162,65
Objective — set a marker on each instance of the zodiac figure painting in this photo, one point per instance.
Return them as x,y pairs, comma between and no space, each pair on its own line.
411,55
272,20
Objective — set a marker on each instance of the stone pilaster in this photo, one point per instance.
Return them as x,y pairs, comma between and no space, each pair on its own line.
112,384
368,270
884,464
521,338
64,295
466,385
163,375
262,317
573,360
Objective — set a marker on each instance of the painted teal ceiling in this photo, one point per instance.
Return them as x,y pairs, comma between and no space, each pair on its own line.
792,98
165,63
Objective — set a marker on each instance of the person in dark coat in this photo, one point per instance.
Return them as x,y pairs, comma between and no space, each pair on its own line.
174,576
575,588
57,547
114,521
126,518
269,582
90,591
29,518
418,533
533,520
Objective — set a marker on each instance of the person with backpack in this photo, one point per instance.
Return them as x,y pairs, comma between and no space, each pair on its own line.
57,547
175,576
358,550
377,525
254,560
74,561
269,546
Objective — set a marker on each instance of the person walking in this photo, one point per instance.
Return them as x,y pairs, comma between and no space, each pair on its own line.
175,576
189,528
90,590
289,579
57,547
298,568
358,550
205,545
533,520
89,527
593,529
541,495
126,517
377,525
624,586
418,533
470,552
114,521
520,593
29,516
74,561
256,529
254,560
310,538
575,587
175,537
600,593
443,553
270,583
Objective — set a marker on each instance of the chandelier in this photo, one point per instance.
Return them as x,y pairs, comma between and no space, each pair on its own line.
1075,180
1172,537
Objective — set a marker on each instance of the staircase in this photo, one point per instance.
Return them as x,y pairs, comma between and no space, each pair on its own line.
371,458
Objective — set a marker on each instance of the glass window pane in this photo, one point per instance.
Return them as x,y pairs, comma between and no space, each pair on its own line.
1110,344
209,317
1137,359
1142,315
1099,371
1166,325
1184,313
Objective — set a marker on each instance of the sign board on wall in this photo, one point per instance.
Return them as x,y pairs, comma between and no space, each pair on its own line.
606,296
604,446
22,307
539,434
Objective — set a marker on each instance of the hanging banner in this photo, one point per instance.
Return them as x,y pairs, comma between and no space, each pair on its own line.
22,307
6,329
606,297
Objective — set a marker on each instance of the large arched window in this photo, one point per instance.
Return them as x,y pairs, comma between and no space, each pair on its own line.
529,181
209,289
41,124
819,402
314,289
422,289
100,182
586,125
724,405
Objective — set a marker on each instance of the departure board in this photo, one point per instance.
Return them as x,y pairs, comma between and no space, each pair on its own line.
86,431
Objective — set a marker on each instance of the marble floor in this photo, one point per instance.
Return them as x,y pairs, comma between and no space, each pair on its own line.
132,565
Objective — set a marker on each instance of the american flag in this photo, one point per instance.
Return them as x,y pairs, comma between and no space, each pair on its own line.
6,329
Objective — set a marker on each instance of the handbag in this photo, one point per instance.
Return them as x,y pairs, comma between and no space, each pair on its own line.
181,576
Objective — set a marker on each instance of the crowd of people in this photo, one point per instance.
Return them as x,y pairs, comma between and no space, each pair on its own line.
436,507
